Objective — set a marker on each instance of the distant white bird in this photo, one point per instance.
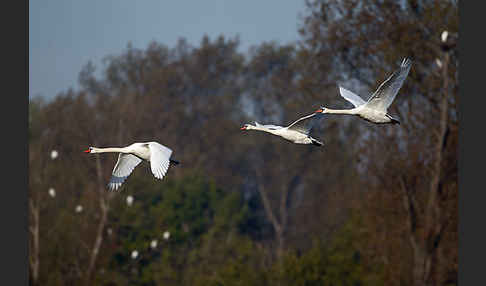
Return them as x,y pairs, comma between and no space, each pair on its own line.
438,62
166,235
444,35
134,254
129,200
54,154
375,109
153,243
297,132
52,192
129,157
79,208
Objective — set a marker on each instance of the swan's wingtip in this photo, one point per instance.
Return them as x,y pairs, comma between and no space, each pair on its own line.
342,88
406,62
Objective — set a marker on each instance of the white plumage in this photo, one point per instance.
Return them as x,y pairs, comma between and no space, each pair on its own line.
351,97
129,157
375,109
297,132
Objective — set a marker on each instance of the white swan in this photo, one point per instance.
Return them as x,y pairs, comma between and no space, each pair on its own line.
297,132
375,109
129,157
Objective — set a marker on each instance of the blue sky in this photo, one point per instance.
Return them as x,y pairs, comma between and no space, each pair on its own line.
65,35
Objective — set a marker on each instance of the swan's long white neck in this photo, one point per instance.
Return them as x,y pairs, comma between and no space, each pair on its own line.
258,128
109,150
351,111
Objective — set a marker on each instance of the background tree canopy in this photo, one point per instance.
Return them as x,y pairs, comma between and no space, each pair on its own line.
377,205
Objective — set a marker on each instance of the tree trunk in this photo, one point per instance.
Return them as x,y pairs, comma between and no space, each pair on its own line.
435,223
98,241
270,215
425,247
419,269
34,255
279,225
104,208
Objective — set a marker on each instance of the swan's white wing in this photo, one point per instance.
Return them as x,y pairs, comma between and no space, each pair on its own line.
386,92
159,159
123,168
268,126
355,99
305,124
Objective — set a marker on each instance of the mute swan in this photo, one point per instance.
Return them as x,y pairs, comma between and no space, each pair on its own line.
375,109
297,132
129,157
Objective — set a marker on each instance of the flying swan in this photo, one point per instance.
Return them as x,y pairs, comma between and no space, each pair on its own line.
297,132
375,109
129,157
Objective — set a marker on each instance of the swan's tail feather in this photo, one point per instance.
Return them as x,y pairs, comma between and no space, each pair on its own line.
316,143
393,120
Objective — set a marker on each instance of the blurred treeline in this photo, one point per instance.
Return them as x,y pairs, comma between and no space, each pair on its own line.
377,205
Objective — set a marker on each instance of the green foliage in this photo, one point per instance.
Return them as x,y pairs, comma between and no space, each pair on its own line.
338,261
204,223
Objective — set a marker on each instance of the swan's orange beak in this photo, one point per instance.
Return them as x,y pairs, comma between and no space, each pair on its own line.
319,110
243,128
87,151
